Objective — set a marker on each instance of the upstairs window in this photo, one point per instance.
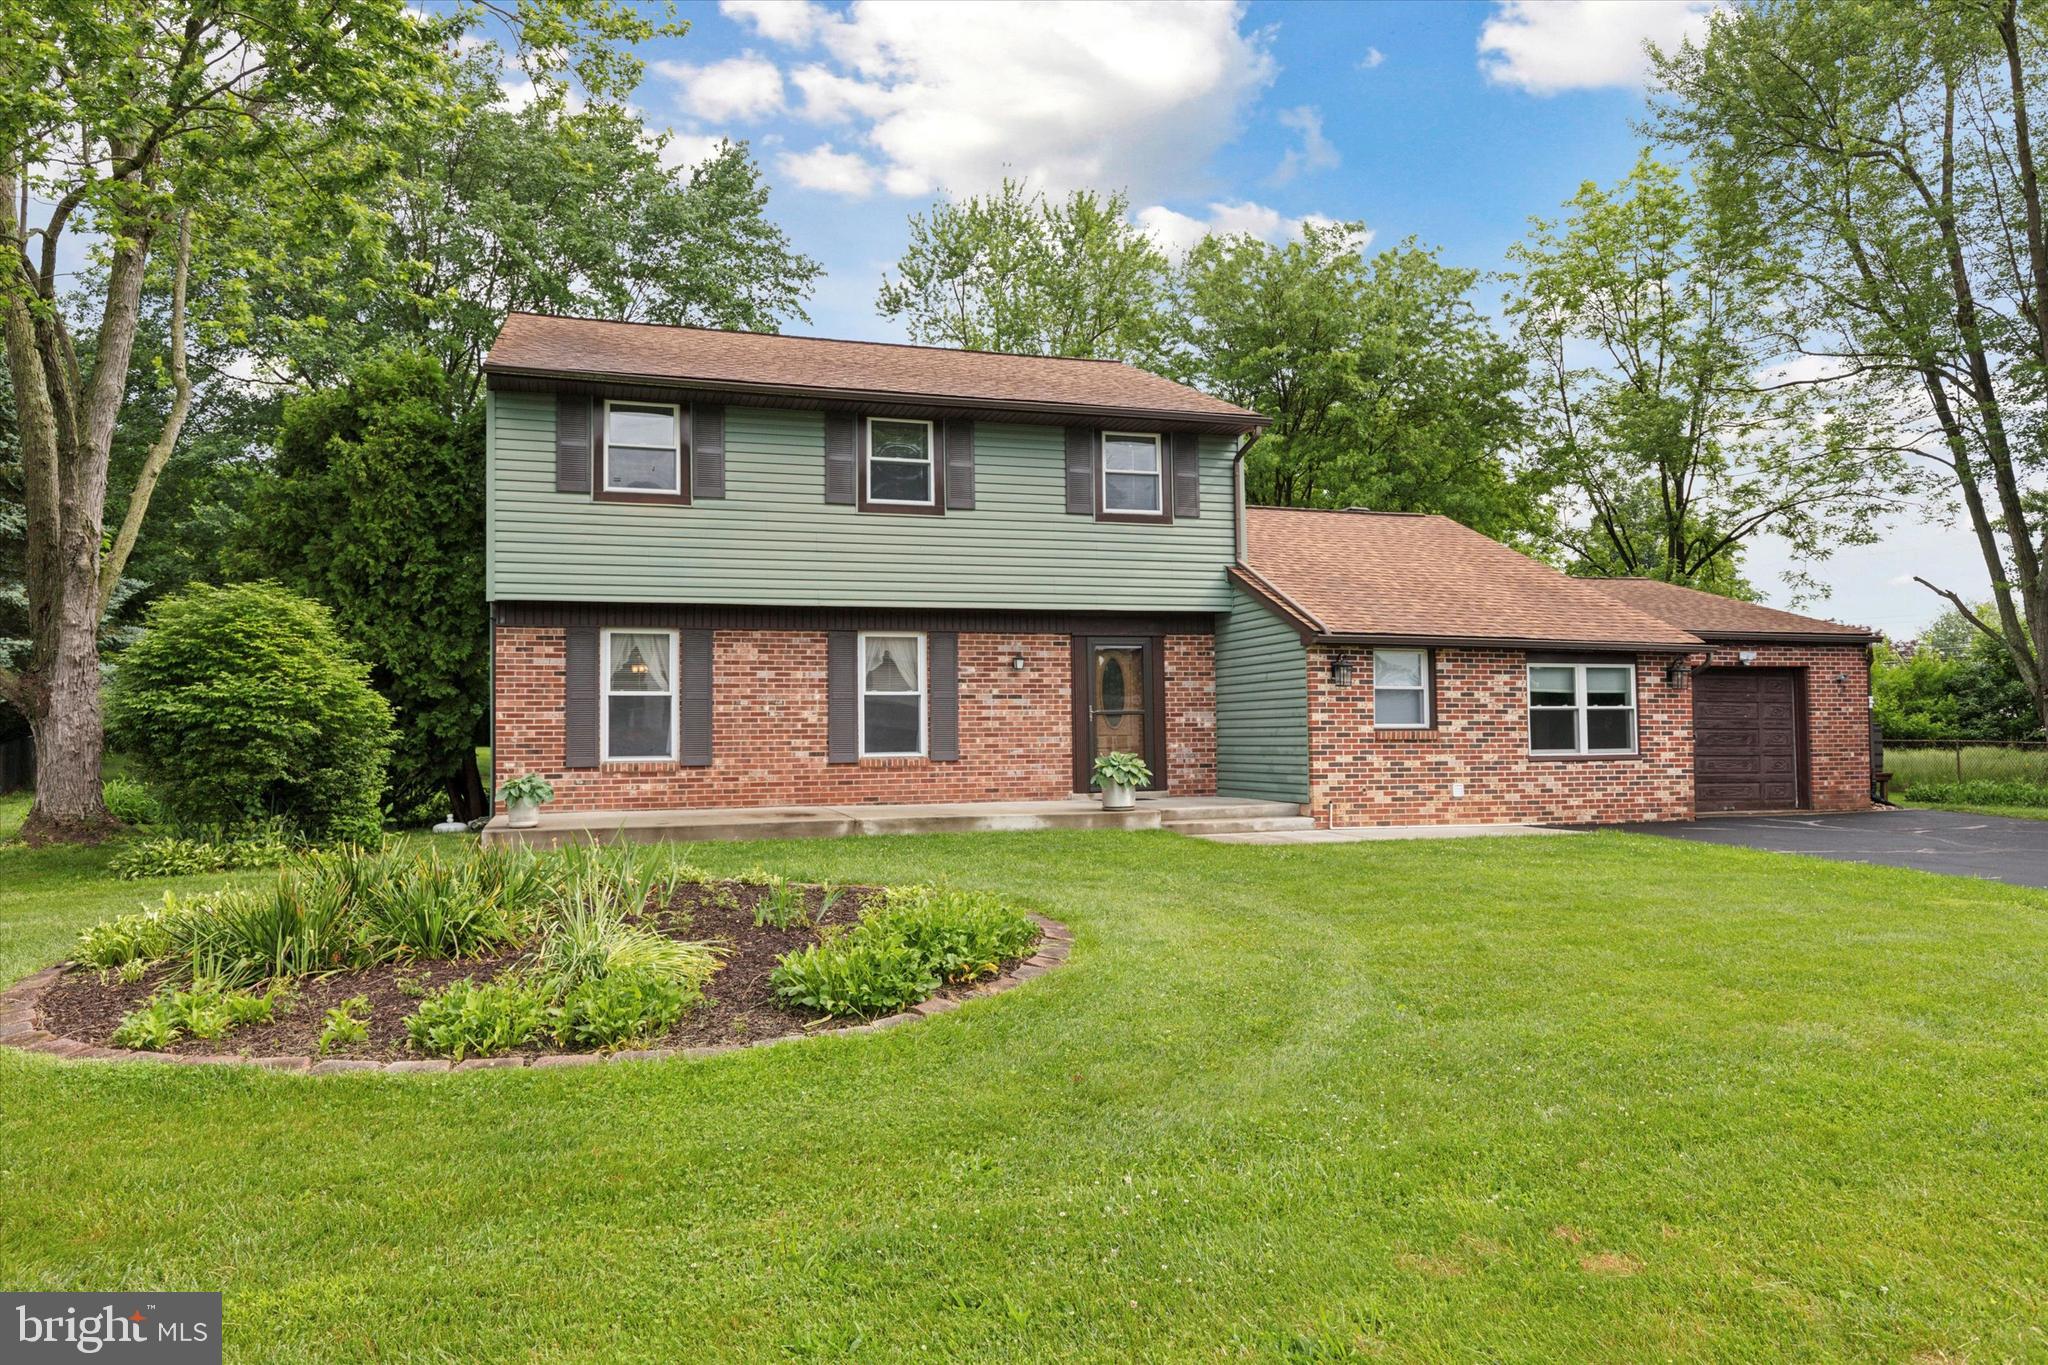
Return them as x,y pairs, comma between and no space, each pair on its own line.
899,462
1582,708
639,716
891,696
1400,689
1131,482
642,452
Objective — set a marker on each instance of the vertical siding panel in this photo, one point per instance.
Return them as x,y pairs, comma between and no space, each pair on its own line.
1261,704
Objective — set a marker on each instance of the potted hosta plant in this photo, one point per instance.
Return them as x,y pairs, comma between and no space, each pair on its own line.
522,797
1120,775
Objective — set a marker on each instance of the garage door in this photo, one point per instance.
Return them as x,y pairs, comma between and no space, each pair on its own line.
1745,725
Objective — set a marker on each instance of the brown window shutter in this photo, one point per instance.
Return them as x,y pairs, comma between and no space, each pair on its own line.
572,442
960,464
579,697
839,459
707,457
696,670
1187,474
1081,471
842,700
944,707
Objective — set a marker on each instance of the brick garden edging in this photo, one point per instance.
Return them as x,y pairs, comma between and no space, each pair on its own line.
19,1028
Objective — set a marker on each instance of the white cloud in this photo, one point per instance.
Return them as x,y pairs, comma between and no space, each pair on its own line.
743,87
684,149
826,168
1315,152
1176,232
1545,46
1105,94
794,22
1372,58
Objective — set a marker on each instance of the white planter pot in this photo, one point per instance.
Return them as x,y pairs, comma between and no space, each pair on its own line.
1116,796
522,814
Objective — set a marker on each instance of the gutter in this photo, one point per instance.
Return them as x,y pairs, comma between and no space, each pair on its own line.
1505,642
1239,420
1785,637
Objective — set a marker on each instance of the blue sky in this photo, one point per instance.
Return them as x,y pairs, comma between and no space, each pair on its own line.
1451,122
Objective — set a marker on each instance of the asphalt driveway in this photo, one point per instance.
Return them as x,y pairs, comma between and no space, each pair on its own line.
1995,847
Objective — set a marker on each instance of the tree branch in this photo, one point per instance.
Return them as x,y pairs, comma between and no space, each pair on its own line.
167,440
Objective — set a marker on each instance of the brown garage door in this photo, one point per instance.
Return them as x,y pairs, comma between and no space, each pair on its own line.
1745,724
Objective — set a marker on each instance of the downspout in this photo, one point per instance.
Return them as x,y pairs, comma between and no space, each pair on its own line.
1237,491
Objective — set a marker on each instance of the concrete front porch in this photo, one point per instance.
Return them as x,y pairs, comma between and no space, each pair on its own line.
1195,815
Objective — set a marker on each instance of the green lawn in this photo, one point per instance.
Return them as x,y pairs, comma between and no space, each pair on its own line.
1586,1098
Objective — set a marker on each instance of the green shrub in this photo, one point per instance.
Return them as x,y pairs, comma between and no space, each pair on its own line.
621,1007
469,1019
1981,792
241,704
209,1010
589,942
412,904
171,855
346,1024
960,935
130,802
848,974
143,935
905,947
299,924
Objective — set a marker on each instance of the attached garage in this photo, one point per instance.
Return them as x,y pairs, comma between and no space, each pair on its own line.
1748,736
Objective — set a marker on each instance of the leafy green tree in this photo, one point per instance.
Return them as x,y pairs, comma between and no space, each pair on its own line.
555,206
1657,421
1887,154
1385,386
180,136
374,506
1015,271
1960,684
242,704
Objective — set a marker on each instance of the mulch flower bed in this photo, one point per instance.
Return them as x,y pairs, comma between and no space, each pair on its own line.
739,1003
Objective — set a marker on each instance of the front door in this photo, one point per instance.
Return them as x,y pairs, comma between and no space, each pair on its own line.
1117,704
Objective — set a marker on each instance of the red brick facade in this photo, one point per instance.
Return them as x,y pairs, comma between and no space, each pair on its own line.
769,733
1359,776
1835,686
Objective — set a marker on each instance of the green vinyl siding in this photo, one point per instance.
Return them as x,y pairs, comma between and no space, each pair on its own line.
772,540
1261,703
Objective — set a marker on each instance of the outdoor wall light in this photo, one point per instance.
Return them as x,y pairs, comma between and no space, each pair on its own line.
1748,656
1340,668
1017,663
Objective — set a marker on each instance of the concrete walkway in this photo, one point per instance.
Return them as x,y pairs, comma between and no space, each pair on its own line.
1208,816
1366,834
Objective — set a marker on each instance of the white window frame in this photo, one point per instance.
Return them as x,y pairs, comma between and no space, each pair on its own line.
605,695
924,691
1158,507
1580,709
931,467
1428,716
675,446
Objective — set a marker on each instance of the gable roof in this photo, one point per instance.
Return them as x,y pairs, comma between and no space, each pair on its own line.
1393,576
1713,617
534,345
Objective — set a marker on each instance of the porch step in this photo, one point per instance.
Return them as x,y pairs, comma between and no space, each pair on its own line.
1174,813
1253,824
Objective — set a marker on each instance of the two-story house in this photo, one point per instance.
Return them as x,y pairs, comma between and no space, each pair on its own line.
739,570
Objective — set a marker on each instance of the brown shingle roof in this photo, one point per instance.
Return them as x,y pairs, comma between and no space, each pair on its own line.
1392,576
530,344
1705,614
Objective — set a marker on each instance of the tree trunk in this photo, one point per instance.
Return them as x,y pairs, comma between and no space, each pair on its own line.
64,713
466,795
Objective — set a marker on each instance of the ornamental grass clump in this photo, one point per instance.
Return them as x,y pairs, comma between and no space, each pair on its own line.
906,945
